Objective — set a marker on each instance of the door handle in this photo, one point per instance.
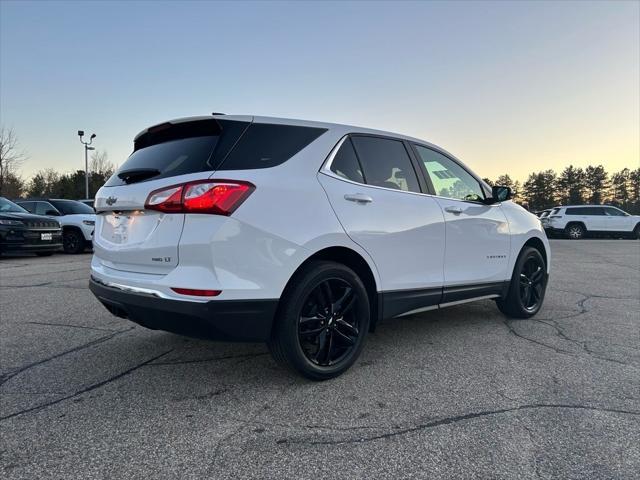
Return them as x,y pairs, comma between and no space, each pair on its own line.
454,210
358,198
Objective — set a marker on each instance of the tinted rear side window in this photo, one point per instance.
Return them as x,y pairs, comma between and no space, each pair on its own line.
386,163
72,207
29,206
266,145
170,158
345,164
585,211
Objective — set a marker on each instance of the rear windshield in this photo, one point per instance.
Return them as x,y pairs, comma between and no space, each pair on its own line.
180,156
71,207
239,146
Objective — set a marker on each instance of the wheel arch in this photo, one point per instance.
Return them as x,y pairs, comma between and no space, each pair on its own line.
576,222
68,228
539,245
356,262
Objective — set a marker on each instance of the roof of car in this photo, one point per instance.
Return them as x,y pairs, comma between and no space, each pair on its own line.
292,121
585,205
45,199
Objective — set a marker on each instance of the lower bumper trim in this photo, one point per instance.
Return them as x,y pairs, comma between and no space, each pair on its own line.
226,320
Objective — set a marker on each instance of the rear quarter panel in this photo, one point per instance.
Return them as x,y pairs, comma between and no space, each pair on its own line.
284,221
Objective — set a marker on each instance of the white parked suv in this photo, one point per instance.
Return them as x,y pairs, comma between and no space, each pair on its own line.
76,219
304,235
578,221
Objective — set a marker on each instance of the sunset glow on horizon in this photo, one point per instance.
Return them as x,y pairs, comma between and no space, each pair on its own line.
507,87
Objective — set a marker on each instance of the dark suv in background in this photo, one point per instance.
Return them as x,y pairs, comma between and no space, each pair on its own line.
21,231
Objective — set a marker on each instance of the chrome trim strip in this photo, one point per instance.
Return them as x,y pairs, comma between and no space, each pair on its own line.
418,310
129,288
146,291
466,300
445,305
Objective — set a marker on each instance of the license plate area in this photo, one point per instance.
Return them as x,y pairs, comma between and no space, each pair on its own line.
46,237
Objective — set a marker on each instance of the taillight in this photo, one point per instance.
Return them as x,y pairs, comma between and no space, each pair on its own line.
196,292
218,197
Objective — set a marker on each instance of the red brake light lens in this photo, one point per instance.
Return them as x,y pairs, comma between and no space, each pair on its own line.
218,197
166,200
196,293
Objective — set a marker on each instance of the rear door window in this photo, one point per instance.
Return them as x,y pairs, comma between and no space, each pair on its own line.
29,206
44,208
386,163
345,164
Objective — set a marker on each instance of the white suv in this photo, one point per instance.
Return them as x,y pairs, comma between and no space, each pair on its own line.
579,221
76,219
304,235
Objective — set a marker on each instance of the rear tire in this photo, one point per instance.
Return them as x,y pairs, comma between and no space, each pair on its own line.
575,231
73,242
527,287
636,232
322,321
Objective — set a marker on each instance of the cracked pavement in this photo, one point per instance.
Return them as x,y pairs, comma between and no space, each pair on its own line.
457,393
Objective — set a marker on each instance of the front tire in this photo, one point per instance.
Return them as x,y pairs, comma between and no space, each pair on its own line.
322,321
527,287
575,231
72,242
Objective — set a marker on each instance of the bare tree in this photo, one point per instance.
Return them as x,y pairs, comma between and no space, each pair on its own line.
100,163
11,158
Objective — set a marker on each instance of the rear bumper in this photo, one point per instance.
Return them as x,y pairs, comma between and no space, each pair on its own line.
226,320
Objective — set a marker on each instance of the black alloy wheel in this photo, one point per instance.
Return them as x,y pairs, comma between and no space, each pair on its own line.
72,242
527,286
322,321
327,325
531,283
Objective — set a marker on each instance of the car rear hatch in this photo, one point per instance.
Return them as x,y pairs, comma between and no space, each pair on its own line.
130,237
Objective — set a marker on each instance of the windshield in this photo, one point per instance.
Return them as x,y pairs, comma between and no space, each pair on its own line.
71,207
7,206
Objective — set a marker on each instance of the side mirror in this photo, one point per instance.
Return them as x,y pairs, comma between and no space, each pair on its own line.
499,193
52,213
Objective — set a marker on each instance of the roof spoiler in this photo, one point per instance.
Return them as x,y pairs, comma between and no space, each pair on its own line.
165,132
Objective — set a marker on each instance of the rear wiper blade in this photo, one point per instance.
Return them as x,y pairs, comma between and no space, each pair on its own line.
137,174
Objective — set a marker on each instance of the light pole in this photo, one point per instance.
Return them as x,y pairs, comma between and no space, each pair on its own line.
86,160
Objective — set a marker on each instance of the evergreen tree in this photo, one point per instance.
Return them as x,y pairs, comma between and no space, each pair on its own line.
621,188
570,185
538,191
596,184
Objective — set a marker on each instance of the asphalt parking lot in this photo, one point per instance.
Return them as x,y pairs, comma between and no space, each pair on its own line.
460,392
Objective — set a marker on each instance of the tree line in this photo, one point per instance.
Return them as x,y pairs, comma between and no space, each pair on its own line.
48,182
541,190
576,186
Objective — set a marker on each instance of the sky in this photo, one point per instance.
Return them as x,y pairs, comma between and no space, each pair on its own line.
508,87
